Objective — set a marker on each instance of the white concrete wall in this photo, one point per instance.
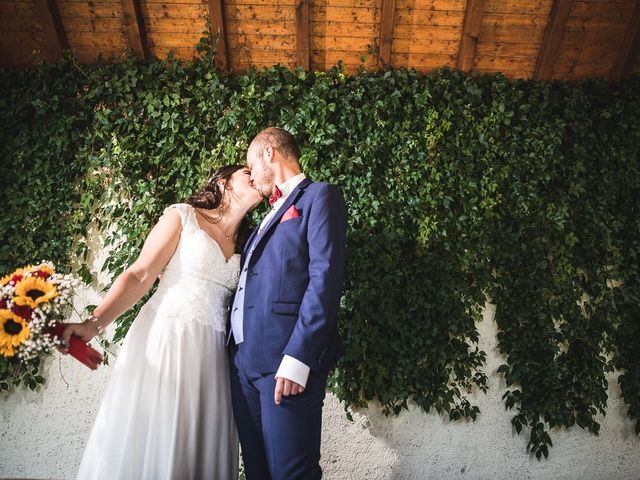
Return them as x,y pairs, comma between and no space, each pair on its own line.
43,434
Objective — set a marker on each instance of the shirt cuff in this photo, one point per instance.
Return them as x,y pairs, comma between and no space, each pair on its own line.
294,370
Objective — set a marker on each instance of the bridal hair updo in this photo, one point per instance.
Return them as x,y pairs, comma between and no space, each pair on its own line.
210,198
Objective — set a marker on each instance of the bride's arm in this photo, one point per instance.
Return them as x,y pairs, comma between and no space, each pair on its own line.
135,281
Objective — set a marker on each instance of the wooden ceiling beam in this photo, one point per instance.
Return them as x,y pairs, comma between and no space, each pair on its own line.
49,16
386,32
134,28
470,33
553,34
216,16
302,34
628,51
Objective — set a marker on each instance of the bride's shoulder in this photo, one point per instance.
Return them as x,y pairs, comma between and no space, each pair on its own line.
181,207
184,210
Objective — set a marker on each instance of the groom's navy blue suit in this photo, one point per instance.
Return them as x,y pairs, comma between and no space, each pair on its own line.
292,293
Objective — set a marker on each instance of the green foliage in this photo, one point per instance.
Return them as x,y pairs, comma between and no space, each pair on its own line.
44,120
459,189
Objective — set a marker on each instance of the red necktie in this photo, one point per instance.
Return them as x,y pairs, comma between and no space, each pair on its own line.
275,196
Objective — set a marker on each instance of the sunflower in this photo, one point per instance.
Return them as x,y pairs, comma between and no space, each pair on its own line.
33,291
13,332
43,267
16,276
43,271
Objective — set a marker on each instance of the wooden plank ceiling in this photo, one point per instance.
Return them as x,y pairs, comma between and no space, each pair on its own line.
540,39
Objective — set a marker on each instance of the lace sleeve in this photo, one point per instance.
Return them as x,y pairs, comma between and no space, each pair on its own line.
185,211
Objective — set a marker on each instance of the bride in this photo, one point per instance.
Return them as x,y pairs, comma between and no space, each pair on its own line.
166,413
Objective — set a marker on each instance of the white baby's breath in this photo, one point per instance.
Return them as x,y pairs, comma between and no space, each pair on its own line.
45,314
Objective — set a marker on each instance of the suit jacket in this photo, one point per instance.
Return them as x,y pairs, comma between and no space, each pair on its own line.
294,282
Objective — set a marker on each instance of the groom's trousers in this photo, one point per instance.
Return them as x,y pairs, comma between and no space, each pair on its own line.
279,442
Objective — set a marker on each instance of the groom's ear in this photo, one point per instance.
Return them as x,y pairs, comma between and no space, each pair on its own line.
268,153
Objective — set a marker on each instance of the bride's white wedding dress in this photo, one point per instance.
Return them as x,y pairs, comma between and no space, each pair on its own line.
166,413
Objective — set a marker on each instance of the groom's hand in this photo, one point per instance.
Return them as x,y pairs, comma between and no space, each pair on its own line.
286,387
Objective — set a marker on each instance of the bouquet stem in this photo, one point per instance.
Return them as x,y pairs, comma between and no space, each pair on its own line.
78,349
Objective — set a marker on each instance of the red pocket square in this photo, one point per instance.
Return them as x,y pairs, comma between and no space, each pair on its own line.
292,212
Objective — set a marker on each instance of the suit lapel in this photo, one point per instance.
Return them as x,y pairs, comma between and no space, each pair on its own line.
245,250
291,199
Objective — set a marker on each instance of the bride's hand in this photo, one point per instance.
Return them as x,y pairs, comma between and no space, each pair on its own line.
85,330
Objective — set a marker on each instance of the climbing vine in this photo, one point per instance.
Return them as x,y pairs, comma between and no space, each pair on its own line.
460,189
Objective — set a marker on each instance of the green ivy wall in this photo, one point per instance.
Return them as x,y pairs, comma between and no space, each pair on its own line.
460,189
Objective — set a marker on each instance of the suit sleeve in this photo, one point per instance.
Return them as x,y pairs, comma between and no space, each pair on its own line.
318,316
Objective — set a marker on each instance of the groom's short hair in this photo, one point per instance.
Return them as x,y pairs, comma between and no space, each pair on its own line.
280,140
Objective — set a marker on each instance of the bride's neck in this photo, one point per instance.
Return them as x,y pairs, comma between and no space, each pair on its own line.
232,215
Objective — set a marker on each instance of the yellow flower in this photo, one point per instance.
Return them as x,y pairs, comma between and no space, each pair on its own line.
19,271
33,291
13,332
44,268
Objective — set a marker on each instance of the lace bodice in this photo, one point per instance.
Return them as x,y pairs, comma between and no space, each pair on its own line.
198,281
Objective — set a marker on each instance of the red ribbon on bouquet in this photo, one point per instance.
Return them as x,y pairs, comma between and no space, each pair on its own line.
78,349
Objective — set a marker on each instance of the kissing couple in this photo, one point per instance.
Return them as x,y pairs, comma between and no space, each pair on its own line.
239,336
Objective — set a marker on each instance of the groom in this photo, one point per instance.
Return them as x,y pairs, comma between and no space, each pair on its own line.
284,319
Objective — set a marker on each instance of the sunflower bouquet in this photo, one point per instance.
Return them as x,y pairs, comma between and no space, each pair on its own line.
34,300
